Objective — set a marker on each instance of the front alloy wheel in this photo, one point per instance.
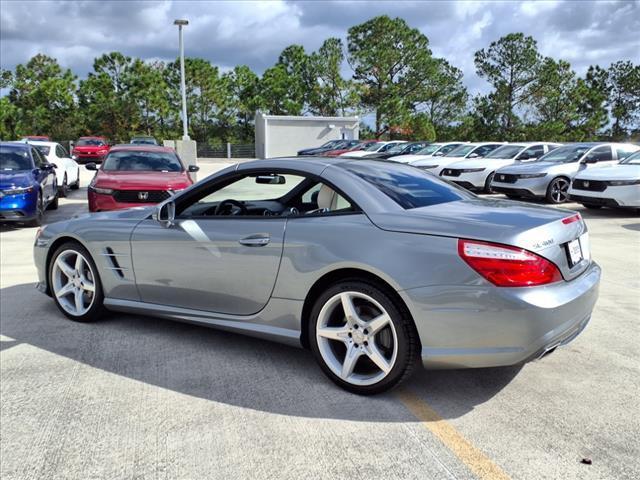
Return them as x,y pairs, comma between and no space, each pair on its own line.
362,340
74,283
558,190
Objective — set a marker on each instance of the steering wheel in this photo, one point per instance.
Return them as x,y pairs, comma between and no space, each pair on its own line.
223,205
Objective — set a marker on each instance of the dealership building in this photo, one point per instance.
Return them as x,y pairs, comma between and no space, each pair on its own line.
284,135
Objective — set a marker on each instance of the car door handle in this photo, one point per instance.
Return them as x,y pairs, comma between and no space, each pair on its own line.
259,240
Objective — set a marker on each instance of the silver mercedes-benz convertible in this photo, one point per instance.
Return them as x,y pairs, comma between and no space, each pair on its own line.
372,265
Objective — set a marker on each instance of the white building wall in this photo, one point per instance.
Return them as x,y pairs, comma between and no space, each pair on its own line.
280,136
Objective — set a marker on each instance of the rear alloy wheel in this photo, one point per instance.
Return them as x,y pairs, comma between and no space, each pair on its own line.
74,283
558,190
361,339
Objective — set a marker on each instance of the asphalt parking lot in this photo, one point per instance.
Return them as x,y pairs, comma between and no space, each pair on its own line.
137,397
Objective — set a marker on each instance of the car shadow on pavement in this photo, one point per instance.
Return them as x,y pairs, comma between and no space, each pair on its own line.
221,366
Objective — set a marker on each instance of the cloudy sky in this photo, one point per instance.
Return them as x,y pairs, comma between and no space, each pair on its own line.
245,32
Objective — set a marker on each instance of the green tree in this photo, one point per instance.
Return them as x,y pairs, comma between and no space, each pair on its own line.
42,94
245,87
279,93
443,98
511,66
391,62
591,96
624,98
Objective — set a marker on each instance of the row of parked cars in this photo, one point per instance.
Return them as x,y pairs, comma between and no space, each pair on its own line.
551,171
35,173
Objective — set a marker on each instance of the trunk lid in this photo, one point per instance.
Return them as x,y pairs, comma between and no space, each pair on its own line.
538,229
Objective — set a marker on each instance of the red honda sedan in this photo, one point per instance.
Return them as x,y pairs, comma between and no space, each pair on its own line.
137,175
90,149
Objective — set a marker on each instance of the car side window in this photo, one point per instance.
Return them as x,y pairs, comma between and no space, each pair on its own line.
601,154
484,150
533,152
38,159
61,152
624,151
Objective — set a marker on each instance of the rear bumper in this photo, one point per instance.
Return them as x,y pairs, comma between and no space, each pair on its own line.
487,326
87,158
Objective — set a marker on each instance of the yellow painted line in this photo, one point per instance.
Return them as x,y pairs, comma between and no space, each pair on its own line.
472,457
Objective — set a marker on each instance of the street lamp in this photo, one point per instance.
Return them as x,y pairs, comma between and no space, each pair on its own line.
183,89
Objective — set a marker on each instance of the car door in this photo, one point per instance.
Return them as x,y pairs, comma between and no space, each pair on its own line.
217,263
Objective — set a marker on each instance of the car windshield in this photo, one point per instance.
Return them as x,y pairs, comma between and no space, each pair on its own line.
461,151
506,152
12,159
397,148
90,142
43,149
409,187
567,154
632,159
429,149
373,147
131,160
144,141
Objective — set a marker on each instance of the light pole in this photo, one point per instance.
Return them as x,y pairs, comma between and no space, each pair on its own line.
183,89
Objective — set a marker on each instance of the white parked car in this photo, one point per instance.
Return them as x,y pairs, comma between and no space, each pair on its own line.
614,186
435,165
477,173
67,170
378,147
431,150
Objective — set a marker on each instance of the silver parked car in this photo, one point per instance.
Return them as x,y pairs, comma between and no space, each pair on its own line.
372,265
550,176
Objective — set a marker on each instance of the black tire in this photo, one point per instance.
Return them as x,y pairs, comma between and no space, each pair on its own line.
487,183
76,185
591,206
408,350
37,221
97,310
63,189
53,204
558,190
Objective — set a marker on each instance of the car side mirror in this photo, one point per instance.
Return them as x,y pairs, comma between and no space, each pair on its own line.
91,166
193,168
165,214
590,159
474,155
438,154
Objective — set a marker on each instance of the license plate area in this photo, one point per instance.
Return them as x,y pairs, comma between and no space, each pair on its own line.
574,252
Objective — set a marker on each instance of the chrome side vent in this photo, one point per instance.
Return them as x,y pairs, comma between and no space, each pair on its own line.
112,262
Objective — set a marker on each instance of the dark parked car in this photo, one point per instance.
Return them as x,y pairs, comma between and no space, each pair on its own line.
401,149
28,184
143,140
330,145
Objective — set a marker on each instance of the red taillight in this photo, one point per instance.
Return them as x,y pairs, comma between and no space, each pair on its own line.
506,266
571,219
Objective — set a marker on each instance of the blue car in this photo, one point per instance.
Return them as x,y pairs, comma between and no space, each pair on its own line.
28,184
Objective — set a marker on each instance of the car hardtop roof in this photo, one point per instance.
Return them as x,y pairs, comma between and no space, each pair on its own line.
141,148
299,162
17,144
45,143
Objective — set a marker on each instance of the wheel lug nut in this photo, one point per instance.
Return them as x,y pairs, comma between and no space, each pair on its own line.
349,334
366,344
365,331
355,345
355,326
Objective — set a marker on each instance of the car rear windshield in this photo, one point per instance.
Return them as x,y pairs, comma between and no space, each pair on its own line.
128,160
90,142
12,159
44,150
567,154
408,186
